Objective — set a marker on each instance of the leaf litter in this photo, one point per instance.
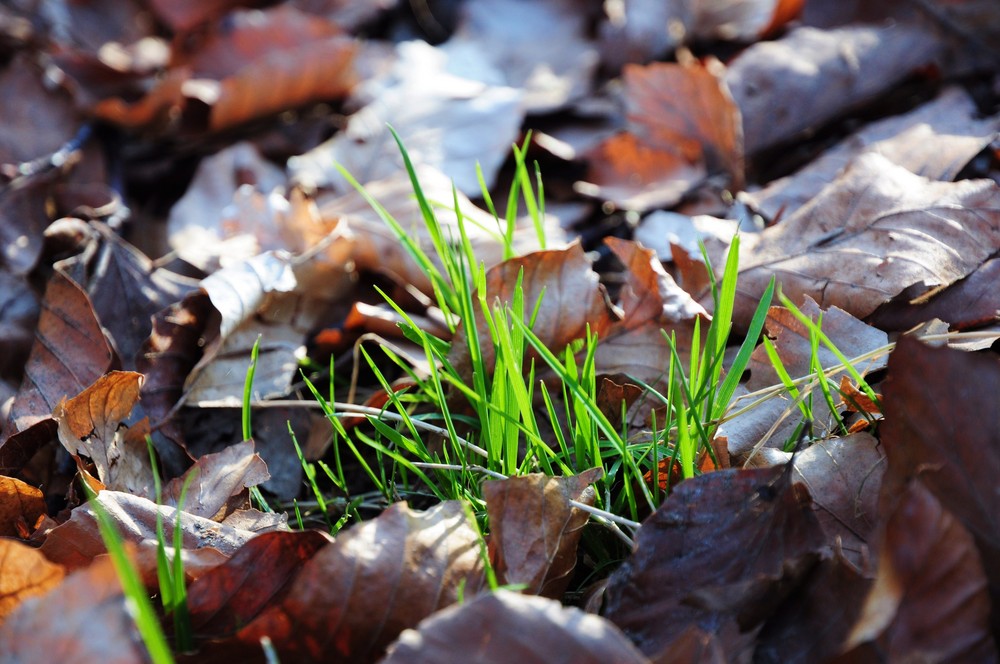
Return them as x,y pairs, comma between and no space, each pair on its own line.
168,195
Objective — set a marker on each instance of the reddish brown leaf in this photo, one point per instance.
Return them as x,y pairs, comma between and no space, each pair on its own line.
182,15
24,573
652,304
69,353
720,553
258,575
502,626
969,303
357,594
682,125
930,599
571,300
91,423
534,531
21,505
942,425
85,619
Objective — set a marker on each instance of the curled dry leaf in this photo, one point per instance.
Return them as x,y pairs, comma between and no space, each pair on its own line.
21,506
653,307
930,599
259,574
24,573
896,229
92,424
84,619
503,626
351,599
682,126
534,531
720,553
942,426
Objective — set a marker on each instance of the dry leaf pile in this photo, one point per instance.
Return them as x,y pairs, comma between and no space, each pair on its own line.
168,195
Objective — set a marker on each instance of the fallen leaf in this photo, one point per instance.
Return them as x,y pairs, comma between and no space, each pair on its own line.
355,596
791,339
540,48
448,121
935,140
205,543
721,552
836,69
93,623
91,423
682,125
503,626
69,354
534,531
969,303
653,307
258,575
24,573
217,478
930,598
21,506
844,476
804,630
879,220
941,427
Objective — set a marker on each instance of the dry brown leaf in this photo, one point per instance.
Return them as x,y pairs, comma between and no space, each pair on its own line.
352,598
653,307
21,506
534,531
942,426
720,553
24,573
930,599
85,619
835,70
217,478
91,424
844,476
259,574
872,233
205,543
70,352
935,140
503,626
682,125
